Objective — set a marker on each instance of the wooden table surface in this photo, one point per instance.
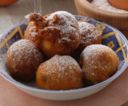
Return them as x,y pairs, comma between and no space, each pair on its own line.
114,95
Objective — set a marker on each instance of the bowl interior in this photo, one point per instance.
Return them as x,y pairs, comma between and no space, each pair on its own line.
111,38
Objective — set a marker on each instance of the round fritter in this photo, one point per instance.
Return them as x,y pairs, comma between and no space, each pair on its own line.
98,62
56,33
59,73
23,59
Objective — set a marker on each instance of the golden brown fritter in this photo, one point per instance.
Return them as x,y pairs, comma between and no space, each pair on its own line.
59,73
98,62
23,59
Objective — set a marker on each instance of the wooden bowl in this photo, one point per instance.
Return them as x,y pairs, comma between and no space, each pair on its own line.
122,4
119,20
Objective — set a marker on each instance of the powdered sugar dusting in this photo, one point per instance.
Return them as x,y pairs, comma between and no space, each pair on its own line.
24,50
32,28
34,34
63,15
92,52
63,67
88,30
66,23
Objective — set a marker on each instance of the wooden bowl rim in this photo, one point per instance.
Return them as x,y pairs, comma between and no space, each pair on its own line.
87,4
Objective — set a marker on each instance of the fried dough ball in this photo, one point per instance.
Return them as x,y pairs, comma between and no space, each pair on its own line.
59,73
89,34
56,33
98,62
23,59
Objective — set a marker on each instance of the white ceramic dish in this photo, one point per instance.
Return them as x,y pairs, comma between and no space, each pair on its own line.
119,45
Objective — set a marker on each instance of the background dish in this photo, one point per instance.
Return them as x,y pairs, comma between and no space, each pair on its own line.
119,20
111,37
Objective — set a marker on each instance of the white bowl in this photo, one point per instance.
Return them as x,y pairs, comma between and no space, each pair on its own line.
66,94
